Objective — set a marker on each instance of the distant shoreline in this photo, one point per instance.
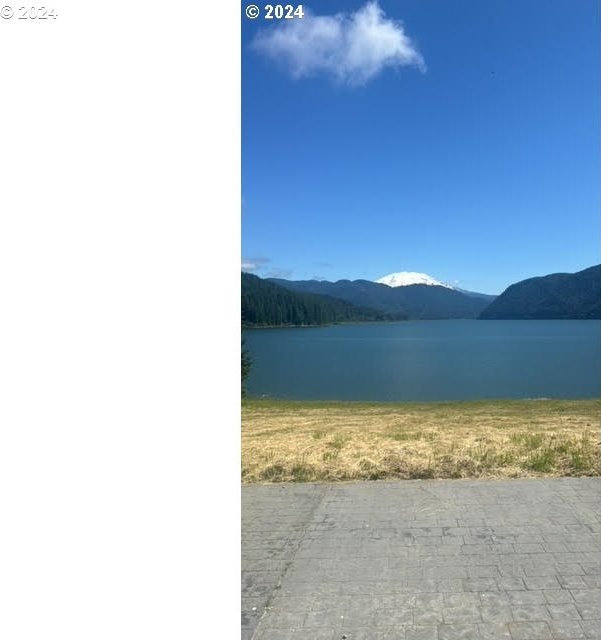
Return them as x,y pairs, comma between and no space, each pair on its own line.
356,322
317,326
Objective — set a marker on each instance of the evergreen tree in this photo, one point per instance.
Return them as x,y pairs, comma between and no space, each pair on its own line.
245,369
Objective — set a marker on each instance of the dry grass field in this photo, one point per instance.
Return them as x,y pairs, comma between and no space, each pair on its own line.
310,441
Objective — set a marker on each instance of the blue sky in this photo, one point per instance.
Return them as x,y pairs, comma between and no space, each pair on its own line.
460,139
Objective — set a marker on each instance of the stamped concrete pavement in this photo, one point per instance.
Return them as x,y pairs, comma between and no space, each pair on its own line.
422,560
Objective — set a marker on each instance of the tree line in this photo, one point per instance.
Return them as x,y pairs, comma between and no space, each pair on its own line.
265,304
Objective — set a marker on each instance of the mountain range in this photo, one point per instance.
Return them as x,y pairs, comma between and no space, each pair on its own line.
428,300
416,296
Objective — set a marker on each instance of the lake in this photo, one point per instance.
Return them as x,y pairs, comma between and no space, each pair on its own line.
428,360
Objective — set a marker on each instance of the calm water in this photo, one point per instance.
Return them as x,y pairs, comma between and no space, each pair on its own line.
428,360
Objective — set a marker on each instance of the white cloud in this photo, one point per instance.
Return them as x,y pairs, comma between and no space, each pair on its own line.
254,264
351,47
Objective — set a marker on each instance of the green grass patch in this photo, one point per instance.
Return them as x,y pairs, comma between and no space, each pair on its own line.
543,461
528,440
302,473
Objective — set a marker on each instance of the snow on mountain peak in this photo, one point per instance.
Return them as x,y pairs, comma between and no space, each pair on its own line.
406,278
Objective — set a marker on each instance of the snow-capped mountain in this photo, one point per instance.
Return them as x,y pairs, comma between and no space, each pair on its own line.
406,278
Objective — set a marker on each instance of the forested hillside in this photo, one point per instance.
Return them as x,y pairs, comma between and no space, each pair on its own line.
556,296
266,304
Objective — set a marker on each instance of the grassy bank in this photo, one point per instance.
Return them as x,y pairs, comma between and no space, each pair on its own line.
305,442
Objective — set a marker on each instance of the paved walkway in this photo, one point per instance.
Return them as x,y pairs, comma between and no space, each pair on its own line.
422,559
